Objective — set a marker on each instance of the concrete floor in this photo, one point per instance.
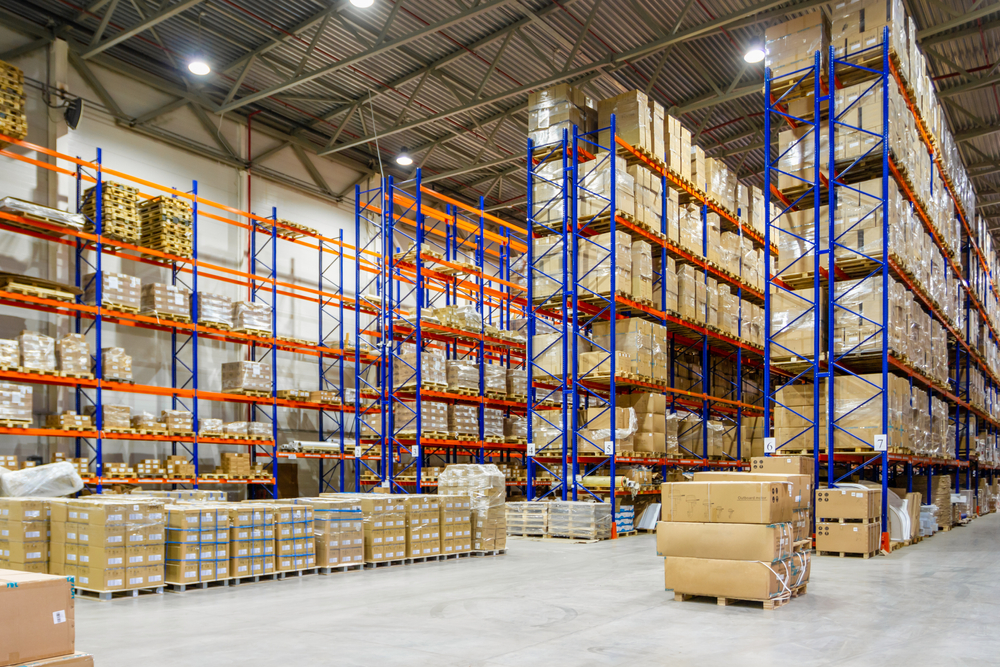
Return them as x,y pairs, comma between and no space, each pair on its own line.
552,603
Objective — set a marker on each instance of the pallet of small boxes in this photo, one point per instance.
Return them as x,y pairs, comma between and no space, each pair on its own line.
251,378
486,488
38,615
731,540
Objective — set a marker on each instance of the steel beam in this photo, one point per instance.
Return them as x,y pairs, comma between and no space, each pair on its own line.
166,13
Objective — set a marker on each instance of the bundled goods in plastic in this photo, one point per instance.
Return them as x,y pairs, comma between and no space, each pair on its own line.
118,291
493,423
494,379
433,417
338,527
515,427
555,110
73,354
463,420
432,366
579,519
517,382
177,421
37,352
383,519
15,402
462,375
240,376
159,299
251,316
119,216
423,525
116,365
69,420
215,310
198,543
10,354
527,518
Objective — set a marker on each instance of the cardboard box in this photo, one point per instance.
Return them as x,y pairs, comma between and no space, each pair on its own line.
745,580
724,541
804,465
849,503
74,660
861,538
726,502
36,617
800,486
98,579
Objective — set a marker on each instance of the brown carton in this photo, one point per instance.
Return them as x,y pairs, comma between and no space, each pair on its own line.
848,503
860,538
36,615
800,486
726,502
724,541
745,580
783,465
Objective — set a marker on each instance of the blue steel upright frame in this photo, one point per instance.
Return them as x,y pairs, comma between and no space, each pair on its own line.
264,264
548,314
330,321
188,343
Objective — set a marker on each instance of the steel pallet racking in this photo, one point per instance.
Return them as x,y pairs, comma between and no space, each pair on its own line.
263,285
841,265
565,309
422,266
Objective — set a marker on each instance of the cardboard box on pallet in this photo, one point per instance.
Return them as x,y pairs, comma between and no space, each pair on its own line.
791,46
724,541
246,376
37,616
739,579
24,534
117,290
800,489
163,299
862,538
862,504
726,502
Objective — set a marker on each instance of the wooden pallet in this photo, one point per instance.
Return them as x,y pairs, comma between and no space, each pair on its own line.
106,596
15,423
43,289
515,441
463,391
186,319
770,604
248,392
221,326
848,554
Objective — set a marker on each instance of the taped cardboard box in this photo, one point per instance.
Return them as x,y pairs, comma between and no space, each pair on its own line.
861,538
744,580
792,465
848,503
800,488
36,615
726,502
724,541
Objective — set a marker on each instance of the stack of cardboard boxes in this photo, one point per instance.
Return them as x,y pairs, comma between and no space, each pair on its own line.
246,376
730,540
848,521
456,524
339,530
294,537
251,540
24,534
198,542
423,525
116,365
118,291
236,465
169,301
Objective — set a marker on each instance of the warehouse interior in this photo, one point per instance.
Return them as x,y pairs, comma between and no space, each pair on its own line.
461,307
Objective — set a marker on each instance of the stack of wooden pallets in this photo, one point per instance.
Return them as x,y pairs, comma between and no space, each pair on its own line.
166,225
13,121
119,214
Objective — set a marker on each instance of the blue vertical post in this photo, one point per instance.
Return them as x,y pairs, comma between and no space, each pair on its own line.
340,346
614,320
529,348
98,321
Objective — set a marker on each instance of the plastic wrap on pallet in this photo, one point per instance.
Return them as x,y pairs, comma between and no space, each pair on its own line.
495,378
209,425
116,364
258,428
579,519
462,420
595,188
432,370
145,420
177,420
215,309
433,417
114,416
595,256
236,428
29,209
251,315
462,374
517,382
484,484
515,426
117,289
15,401
165,299
466,318
45,481
72,353
37,352
493,422
10,352
246,376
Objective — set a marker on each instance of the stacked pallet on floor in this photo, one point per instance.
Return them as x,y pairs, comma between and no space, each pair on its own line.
731,540
848,522
119,212
167,225
13,120
528,519
579,520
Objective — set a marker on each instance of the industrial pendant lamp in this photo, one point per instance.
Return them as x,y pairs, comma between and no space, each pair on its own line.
198,65
404,157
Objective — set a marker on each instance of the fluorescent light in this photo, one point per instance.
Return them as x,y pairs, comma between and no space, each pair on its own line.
754,54
404,158
199,67
362,3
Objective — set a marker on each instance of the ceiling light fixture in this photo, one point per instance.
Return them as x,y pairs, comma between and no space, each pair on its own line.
362,3
404,158
755,53
199,66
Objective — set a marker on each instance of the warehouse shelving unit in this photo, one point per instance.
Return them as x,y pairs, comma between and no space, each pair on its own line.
428,263
262,282
835,260
567,310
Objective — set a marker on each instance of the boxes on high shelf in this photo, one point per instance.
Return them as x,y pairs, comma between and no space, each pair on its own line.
463,420
246,376
794,325
861,129
433,417
116,364
597,187
548,270
797,162
236,464
548,193
252,315
642,272
558,108
634,338
632,120
791,45
648,191
36,351
69,421
691,230
433,370
214,309
15,402
595,257
73,354
699,177
163,299
677,146
687,277
858,25
796,240
118,291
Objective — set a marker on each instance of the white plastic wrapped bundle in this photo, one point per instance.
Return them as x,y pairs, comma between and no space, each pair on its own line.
236,428
547,432
580,519
10,355
484,484
208,426
463,420
463,374
145,420
117,290
47,481
258,429
177,420
37,351
73,354
26,208
515,427
493,422
596,187
251,315
164,299
116,364
215,309
495,379
15,402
